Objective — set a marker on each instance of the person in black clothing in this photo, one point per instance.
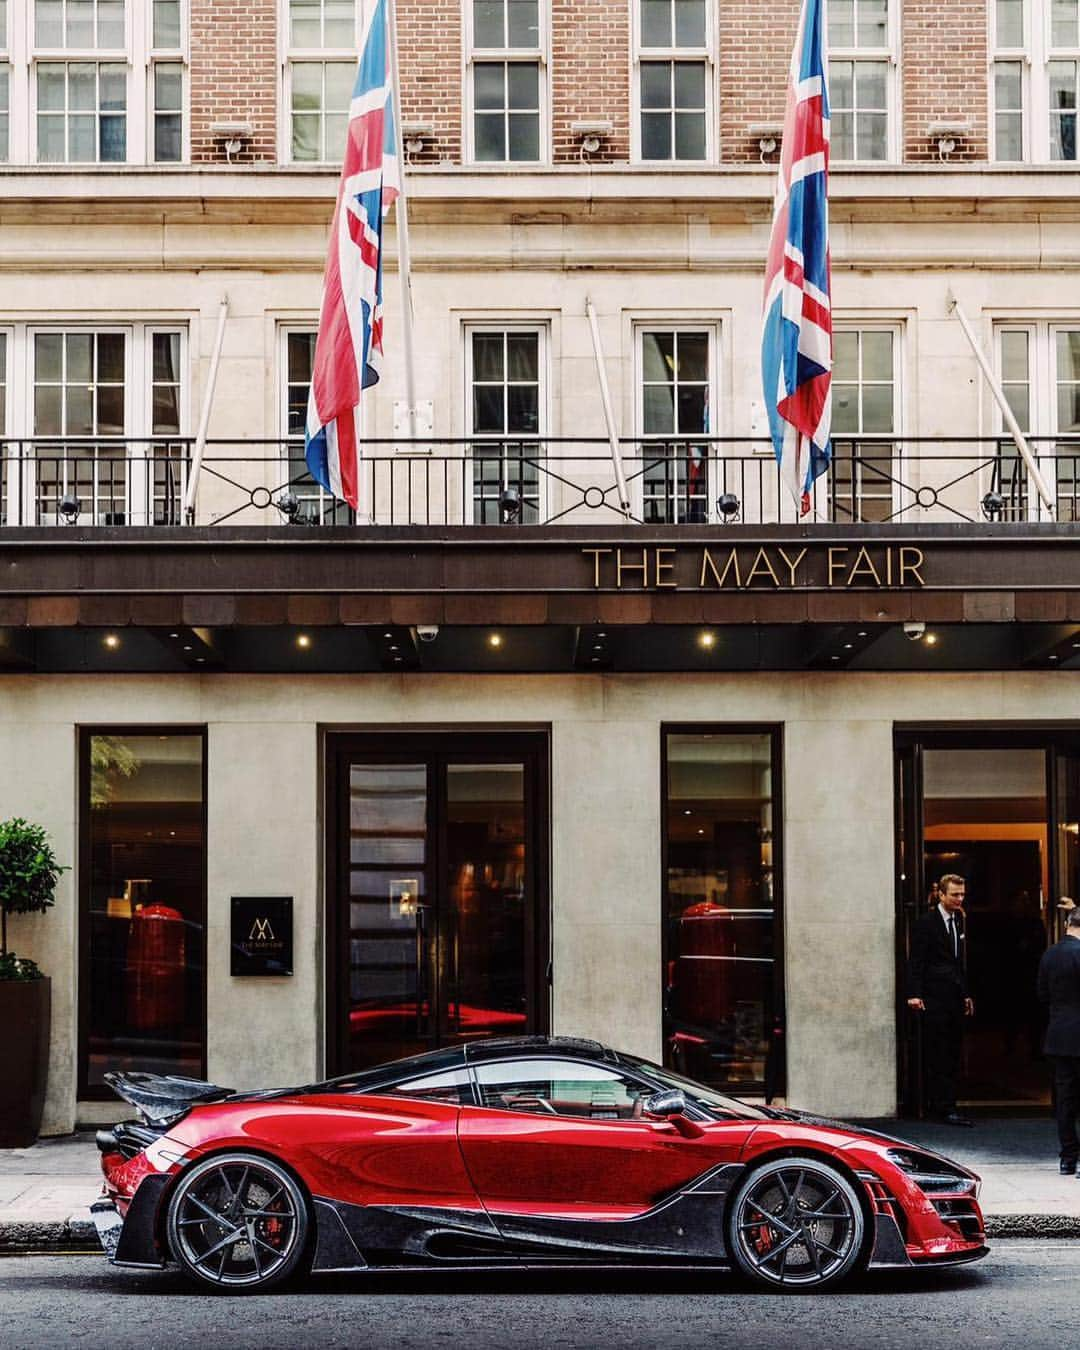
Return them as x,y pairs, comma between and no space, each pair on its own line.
1059,987
937,991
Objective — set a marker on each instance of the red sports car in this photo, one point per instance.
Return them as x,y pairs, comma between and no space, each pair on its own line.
521,1152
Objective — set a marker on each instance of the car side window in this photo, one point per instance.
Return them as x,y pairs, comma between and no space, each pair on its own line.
560,1088
451,1087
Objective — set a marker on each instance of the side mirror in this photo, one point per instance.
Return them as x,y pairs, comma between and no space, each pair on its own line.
671,1106
664,1105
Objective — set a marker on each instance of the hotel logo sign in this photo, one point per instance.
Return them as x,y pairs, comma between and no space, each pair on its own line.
742,567
261,935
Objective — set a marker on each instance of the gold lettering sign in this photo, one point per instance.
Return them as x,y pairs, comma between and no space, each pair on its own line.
758,567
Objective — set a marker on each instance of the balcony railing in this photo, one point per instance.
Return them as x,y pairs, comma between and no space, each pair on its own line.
531,481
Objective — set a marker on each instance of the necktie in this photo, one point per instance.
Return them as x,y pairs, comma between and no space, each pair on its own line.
955,937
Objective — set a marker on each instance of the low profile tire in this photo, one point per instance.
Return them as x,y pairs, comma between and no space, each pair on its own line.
239,1222
796,1224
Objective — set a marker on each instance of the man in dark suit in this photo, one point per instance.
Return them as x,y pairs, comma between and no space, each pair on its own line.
1059,988
937,991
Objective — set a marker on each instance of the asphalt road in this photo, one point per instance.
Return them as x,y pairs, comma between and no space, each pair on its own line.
1024,1293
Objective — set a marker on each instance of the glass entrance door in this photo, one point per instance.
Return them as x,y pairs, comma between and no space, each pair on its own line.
438,933
999,810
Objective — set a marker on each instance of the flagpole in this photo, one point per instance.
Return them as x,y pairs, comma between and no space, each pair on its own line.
401,224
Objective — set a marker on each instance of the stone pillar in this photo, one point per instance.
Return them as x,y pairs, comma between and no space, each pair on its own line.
606,883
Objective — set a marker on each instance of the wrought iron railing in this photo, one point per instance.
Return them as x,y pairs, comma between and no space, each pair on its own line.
531,481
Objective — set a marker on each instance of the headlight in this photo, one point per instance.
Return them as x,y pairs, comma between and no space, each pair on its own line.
931,1175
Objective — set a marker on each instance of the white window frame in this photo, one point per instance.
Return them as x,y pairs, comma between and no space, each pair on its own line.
328,510
288,56
138,401
539,56
137,56
890,54
693,55
897,329
5,60
1035,57
1043,391
8,452
684,324
169,56
542,329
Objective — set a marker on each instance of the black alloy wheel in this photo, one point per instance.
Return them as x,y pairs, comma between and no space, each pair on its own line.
239,1222
796,1223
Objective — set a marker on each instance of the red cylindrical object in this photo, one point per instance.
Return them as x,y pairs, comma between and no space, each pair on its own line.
155,969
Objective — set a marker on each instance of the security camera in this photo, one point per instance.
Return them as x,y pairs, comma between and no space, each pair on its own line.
914,632
427,632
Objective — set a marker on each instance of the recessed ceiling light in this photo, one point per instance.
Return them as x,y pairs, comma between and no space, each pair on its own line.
303,640
388,635
601,635
201,660
1053,658
687,812
931,639
863,634
394,647
847,646
494,639
836,658
174,635
707,639
701,831
111,641
189,649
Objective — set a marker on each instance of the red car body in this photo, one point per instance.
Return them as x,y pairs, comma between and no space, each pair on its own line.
395,1179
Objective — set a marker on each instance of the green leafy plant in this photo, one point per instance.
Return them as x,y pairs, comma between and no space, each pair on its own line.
28,876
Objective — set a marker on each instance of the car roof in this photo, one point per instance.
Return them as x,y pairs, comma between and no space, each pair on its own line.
456,1056
510,1047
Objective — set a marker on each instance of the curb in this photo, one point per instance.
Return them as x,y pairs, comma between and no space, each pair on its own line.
77,1233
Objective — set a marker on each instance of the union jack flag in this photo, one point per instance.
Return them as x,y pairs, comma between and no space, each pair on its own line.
796,347
348,350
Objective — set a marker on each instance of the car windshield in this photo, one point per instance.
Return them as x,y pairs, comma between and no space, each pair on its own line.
714,1102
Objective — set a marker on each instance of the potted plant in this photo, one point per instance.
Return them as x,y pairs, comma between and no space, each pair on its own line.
28,876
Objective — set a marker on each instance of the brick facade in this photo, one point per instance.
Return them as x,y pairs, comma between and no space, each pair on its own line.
590,75
234,76
944,75
756,37
430,40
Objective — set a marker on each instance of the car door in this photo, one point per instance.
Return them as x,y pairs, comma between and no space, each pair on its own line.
560,1151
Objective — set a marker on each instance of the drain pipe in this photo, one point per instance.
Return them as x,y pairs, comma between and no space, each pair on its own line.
609,411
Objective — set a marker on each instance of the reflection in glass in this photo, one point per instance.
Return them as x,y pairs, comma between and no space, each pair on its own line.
720,1014
482,952
144,818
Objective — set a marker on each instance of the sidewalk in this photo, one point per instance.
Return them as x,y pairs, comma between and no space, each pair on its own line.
45,1191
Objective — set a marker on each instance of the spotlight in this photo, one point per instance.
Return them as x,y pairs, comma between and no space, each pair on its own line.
993,504
707,639
495,640
728,505
111,641
510,505
931,639
70,508
289,506
303,640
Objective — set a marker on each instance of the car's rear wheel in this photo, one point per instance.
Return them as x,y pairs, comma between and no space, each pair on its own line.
238,1221
796,1223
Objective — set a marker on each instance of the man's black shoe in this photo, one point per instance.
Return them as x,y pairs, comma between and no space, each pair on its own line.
955,1118
1067,1168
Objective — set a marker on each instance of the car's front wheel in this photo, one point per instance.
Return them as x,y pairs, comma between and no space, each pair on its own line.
238,1221
796,1223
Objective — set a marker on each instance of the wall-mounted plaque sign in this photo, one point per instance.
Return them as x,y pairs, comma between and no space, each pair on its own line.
262,935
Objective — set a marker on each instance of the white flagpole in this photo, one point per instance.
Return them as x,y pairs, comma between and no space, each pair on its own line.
204,418
609,412
1003,403
401,223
